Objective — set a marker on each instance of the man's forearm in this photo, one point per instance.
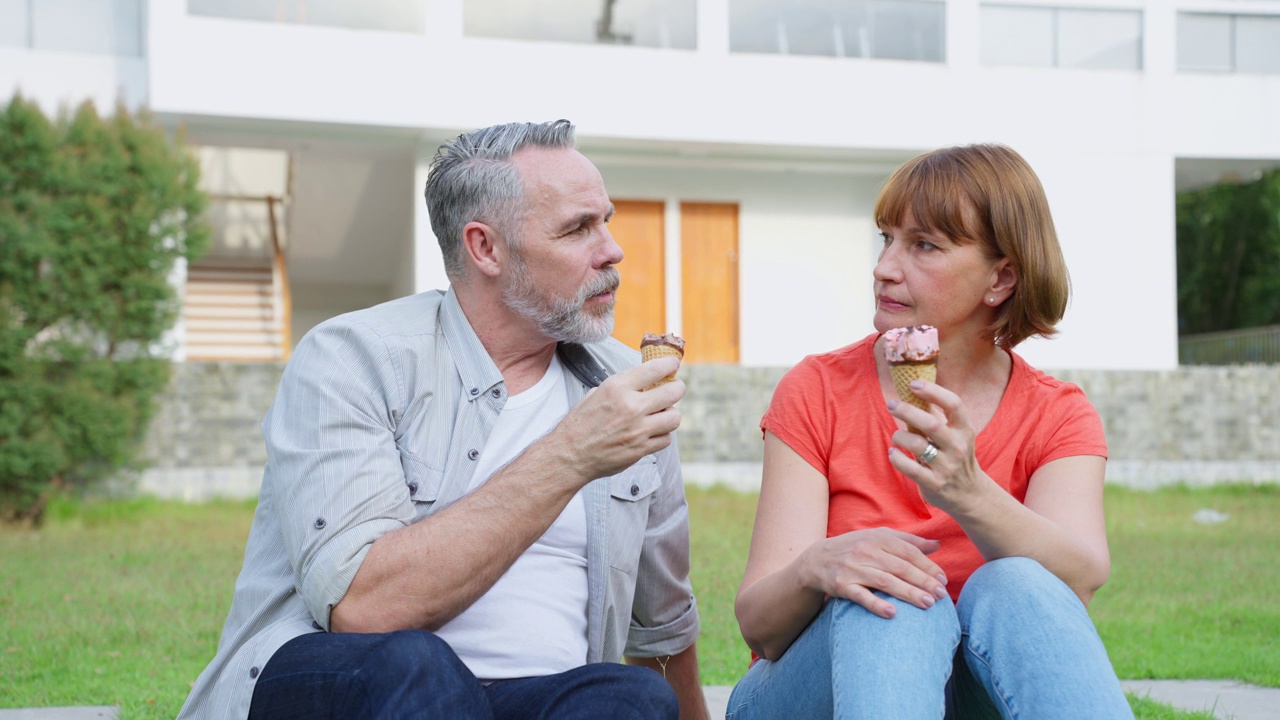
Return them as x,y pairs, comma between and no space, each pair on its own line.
681,671
423,575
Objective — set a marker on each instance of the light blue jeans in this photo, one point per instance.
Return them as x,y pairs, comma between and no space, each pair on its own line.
1019,644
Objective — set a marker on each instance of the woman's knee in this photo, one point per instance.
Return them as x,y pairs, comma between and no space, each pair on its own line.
999,584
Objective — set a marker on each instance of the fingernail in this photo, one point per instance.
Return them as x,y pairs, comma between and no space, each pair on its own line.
940,591
941,578
893,404
916,384
890,611
927,600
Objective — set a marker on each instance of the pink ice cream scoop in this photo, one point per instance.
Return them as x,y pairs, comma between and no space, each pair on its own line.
914,344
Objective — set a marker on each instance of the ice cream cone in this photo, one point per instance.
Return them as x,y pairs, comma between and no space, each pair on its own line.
656,346
903,374
912,354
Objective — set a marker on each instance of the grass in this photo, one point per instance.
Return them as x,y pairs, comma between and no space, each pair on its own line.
122,603
1188,600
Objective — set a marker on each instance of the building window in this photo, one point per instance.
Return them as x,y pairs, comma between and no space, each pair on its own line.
643,23
1229,43
98,27
1061,37
884,29
390,15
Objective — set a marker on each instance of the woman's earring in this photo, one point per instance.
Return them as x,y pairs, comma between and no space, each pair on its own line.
991,300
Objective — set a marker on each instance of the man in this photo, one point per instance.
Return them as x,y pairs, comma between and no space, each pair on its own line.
453,523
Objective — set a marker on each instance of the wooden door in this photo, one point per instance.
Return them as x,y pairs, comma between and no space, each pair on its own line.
709,285
638,227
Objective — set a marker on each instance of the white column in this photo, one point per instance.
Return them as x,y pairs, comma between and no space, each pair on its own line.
428,267
671,252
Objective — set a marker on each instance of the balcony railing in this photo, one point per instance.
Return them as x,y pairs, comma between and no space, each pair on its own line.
1231,347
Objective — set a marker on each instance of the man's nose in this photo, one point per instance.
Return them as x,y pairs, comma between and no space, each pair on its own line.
611,252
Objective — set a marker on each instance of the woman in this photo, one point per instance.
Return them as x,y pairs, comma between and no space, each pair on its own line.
894,575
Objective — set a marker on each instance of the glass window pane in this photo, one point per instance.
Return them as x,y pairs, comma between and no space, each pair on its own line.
647,23
753,26
1257,44
13,22
853,20
1017,36
1204,42
1105,39
391,15
904,30
807,29
103,27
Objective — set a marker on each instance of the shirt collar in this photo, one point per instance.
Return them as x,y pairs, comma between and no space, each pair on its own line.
476,369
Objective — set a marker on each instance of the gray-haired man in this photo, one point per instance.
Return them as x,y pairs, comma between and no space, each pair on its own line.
454,520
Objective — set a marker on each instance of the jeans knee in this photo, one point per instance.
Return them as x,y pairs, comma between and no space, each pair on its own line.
997,584
635,691
409,653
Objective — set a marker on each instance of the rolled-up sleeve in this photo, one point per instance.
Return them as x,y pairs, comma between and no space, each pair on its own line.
333,466
664,614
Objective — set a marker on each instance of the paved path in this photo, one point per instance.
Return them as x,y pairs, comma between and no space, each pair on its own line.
1228,699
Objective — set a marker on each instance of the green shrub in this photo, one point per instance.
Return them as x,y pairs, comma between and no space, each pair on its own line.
93,213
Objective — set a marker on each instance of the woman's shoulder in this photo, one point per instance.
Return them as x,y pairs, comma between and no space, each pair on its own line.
855,359
1039,383
836,372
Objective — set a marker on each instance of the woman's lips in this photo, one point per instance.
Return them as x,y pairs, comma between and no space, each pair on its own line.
886,303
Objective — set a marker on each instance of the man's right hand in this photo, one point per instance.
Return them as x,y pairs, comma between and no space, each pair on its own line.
618,423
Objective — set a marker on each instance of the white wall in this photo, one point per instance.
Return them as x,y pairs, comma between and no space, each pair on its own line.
1104,143
59,80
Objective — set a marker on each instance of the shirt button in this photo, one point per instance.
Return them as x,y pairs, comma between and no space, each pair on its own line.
475,391
496,393
320,523
413,488
253,673
635,490
473,453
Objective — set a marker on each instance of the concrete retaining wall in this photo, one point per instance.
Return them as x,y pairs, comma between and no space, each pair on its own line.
1194,425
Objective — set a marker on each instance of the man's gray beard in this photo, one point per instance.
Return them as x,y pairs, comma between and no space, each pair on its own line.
561,320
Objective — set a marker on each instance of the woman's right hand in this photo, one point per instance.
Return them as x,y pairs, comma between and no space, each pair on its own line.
854,564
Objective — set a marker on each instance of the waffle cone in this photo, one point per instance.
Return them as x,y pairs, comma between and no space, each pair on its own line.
652,352
903,374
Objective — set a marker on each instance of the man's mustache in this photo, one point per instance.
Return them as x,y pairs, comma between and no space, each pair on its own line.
606,282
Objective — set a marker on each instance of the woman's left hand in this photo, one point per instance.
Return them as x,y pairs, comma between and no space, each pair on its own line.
950,474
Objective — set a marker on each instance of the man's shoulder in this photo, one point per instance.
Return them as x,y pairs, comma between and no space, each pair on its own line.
410,315
613,354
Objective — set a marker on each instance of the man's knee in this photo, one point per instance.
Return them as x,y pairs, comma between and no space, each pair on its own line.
415,669
642,689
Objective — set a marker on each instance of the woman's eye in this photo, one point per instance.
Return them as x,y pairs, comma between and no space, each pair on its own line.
926,245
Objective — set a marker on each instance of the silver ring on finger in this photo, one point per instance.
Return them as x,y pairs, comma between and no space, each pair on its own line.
927,455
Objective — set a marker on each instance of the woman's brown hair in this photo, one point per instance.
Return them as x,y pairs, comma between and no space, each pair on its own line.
988,194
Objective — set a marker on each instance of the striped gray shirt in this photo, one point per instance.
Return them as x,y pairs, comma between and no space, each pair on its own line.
377,423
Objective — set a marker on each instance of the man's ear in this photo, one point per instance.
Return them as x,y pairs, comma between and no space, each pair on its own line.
484,248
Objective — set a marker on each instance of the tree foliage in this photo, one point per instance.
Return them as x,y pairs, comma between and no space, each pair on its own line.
93,213
1229,256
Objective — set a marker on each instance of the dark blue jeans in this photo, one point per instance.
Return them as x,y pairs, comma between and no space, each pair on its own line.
414,674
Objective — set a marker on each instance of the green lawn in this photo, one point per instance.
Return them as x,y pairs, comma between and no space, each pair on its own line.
122,603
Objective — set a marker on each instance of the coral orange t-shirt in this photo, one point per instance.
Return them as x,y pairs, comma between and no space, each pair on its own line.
829,409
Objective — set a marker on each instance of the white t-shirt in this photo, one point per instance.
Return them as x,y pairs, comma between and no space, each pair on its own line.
533,621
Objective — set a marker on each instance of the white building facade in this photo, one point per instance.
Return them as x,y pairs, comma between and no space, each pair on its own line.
748,136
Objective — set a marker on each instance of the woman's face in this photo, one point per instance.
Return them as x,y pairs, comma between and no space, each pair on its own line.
925,278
